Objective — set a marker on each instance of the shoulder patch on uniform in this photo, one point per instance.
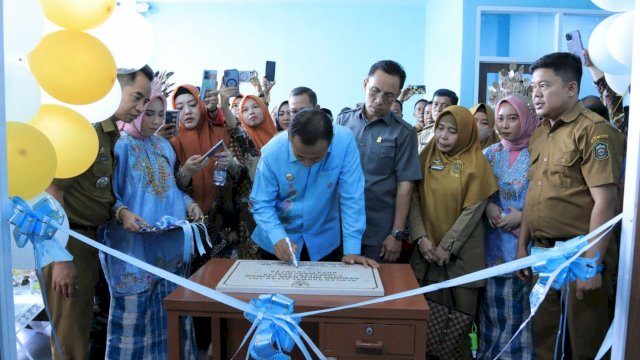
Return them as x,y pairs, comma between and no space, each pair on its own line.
599,137
601,151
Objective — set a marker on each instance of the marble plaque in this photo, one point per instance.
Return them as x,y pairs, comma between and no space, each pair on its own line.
309,278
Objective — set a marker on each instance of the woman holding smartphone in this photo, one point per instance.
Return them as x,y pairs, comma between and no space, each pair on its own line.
197,135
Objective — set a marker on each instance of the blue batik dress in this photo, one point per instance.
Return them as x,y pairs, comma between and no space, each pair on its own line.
505,305
144,182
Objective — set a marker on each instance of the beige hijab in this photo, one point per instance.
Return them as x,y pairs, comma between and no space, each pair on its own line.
455,180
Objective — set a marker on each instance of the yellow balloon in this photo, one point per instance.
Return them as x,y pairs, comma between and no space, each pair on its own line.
72,135
73,67
78,14
31,160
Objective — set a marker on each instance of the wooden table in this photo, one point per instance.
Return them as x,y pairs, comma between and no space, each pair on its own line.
390,330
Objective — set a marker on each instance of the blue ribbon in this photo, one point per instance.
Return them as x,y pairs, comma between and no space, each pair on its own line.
271,338
190,231
580,268
277,325
37,226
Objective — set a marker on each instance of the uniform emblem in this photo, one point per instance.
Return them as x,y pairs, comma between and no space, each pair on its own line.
436,165
456,168
290,177
601,151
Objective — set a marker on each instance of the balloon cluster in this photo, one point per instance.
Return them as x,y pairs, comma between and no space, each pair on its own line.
611,43
61,63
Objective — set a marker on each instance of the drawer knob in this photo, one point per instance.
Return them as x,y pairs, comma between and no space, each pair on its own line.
368,330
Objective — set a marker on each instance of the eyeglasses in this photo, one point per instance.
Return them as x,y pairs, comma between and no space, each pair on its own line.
386,96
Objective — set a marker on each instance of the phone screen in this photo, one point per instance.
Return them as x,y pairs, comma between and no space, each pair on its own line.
209,82
270,71
217,147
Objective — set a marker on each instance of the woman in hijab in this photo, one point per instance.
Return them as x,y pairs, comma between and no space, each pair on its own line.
227,228
256,120
146,192
447,208
484,118
506,306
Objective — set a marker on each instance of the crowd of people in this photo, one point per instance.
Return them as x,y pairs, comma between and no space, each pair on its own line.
462,190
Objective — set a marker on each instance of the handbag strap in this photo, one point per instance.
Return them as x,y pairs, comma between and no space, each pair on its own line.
446,277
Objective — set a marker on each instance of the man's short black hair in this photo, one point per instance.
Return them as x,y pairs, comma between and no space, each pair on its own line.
565,65
389,67
399,103
420,101
311,125
303,90
327,111
594,104
448,93
131,77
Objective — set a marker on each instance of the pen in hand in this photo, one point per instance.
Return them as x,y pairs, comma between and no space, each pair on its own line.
293,255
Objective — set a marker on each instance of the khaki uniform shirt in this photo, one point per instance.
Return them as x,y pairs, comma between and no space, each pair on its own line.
425,136
88,197
581,150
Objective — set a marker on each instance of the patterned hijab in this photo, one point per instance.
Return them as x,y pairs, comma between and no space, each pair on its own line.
198,141
262,133
493,137
455,180
528,122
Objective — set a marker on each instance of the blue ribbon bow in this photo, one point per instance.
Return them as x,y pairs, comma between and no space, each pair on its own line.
36,225
271,339
581,268
190,231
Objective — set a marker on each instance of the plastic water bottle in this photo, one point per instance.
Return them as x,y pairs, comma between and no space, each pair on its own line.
219,175
33,283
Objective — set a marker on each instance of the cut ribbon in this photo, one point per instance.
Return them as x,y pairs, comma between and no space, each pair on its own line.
37,225
271,339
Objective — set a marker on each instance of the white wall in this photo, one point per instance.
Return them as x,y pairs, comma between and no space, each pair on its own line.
443,50
328,47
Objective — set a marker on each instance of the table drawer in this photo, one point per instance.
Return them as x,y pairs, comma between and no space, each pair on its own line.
364,339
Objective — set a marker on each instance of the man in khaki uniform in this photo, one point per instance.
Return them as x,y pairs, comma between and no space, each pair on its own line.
576,159
87,199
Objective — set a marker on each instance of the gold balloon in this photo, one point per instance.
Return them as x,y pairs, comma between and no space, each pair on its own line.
78,14
73,67
31,160
72,135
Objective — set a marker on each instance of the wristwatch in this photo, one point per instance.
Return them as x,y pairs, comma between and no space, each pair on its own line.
400,235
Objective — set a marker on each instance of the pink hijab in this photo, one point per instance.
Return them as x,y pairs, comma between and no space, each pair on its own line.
133,128
528,122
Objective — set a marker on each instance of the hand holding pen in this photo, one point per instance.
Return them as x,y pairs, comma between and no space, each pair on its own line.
286,251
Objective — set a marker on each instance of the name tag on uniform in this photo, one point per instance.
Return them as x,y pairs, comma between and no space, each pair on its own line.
436,165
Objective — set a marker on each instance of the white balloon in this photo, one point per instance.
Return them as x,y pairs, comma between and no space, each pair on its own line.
22,92
621,34
614,5
618,83
23,258
94,112
129,37
599,49
23,26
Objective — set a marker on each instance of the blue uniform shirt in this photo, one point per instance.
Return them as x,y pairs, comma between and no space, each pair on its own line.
308,203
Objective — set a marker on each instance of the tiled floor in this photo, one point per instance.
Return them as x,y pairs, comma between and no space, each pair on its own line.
35,341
